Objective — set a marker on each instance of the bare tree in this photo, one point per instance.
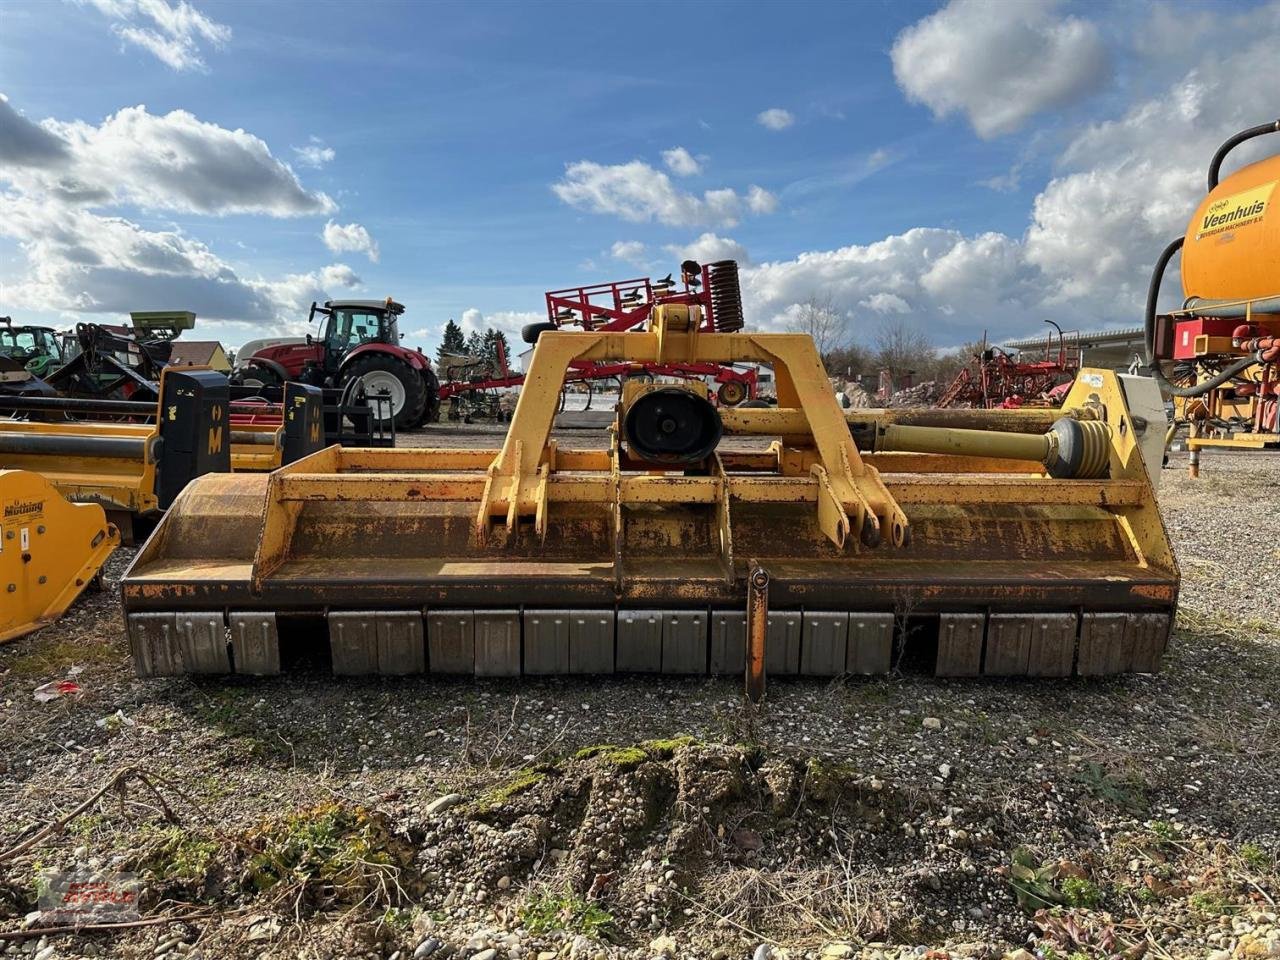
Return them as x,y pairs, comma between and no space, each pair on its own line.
901,347
949,363
818,317
851,360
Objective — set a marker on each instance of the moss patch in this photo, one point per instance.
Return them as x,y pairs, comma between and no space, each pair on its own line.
623,757
522,781
630,757
55,659
665,749
827,781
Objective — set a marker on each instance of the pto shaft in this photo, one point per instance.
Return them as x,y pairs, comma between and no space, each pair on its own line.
1072,449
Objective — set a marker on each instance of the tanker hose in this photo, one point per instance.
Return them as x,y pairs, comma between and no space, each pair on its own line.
1149,333
1232,142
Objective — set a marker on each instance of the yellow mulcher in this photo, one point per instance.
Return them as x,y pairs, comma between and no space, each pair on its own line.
50,550
101,454
134,457
978,552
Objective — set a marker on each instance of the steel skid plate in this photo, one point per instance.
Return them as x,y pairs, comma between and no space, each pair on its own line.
506,643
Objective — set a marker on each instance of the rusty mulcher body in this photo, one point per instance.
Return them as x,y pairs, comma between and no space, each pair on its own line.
1013,552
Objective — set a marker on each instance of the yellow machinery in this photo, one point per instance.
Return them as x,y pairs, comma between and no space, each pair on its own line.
133,458
866,543
50,550
267,436
1219,355
128,468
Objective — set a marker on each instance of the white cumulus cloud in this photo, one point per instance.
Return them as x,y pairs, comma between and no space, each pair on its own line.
510,322
760,200
174,34
80,261
637,192
314,153
709,248
630,251
1130,184
945,276
173,161
681,162
775,118
885,303
350,238
999,61
1123,188
62,182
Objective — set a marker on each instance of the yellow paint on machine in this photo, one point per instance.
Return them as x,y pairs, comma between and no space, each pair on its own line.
50,550
883,512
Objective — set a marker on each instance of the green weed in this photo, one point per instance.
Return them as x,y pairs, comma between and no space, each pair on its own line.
1081,893
1125,790
1254,856
549,913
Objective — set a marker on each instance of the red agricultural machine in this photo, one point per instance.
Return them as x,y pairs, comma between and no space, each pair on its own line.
360,341
998,378
620,306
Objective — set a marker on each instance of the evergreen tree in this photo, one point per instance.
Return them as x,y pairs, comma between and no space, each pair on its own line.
453,342
475,344
491,341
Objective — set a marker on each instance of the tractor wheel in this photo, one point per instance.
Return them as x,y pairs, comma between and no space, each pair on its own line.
259,375
383,374
530,332
430,409
732,392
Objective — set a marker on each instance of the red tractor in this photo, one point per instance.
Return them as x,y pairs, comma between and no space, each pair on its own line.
360,342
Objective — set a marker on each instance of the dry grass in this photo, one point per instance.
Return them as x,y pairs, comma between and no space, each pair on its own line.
802,905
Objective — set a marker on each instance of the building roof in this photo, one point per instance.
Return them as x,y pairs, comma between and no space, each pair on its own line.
1083,338
195,353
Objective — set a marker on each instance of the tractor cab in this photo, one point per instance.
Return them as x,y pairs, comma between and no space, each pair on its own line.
352,323
38,349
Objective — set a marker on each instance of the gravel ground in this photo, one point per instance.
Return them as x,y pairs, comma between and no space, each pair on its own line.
647,817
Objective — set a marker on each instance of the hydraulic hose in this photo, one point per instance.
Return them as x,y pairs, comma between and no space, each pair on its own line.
1215,165
1149,325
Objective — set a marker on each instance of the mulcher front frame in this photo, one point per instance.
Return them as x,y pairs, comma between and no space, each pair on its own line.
534,559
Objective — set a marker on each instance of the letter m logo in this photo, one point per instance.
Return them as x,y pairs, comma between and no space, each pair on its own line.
215,439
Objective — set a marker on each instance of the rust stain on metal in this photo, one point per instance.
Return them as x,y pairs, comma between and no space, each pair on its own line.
757,629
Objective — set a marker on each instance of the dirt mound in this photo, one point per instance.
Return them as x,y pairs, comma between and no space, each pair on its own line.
678,833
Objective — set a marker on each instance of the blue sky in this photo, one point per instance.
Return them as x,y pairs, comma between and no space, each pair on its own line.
958,167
